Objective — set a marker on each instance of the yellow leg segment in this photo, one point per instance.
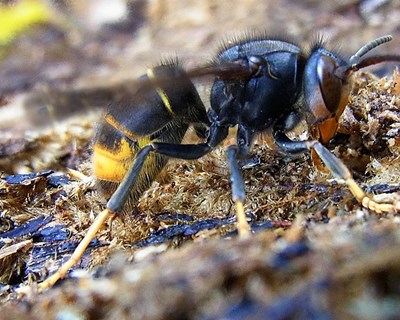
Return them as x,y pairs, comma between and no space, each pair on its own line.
366,201
340,171
242,224
80,249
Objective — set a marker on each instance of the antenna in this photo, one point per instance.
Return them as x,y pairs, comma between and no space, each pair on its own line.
355,58
356,63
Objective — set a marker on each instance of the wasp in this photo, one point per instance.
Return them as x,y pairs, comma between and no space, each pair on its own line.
259,84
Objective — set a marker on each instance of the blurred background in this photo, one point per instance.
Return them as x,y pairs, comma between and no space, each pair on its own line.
62,43
61,57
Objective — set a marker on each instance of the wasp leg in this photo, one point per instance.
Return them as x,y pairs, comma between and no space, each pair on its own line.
195,151
289,146
114,206
179,151
120,196
340,171
79,251
238,192
336,167
188,152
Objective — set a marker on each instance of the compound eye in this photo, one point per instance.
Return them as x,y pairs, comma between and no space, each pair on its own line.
329,84
256,63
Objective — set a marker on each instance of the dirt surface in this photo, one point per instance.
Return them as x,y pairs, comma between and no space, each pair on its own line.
314,251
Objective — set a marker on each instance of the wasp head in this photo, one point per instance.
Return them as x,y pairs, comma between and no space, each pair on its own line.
326,85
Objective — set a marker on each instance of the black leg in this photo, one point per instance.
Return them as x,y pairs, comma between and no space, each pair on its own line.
121,195
179,151
289,146
238,192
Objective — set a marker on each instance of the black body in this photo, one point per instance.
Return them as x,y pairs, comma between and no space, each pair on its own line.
256,102
259,84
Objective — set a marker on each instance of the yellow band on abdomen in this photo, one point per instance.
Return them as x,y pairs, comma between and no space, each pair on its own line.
112,165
